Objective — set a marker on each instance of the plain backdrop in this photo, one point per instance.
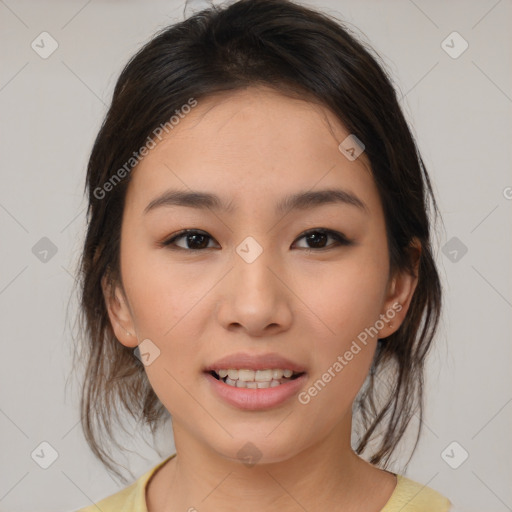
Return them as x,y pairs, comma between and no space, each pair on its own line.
459,105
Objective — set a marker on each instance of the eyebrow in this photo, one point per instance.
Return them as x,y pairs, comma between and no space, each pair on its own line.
298,201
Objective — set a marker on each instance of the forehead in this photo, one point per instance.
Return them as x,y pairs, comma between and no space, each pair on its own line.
251,145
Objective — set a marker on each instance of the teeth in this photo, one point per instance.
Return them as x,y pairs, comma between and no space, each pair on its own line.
246,375
263,376
252,384
254,379
254,375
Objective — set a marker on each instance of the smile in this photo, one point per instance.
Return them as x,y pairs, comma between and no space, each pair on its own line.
255,379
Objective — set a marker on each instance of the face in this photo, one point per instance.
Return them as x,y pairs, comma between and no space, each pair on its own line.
267,282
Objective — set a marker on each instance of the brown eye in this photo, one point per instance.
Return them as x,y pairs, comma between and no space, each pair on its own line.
317,238
194,240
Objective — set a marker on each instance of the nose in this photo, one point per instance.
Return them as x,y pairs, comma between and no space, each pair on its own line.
254,297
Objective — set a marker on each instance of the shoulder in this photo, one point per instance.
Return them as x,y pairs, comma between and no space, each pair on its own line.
130,499
122,501
411,496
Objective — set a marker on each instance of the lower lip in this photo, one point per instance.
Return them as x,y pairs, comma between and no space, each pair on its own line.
256,399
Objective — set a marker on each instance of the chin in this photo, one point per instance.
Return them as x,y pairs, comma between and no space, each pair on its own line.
258,449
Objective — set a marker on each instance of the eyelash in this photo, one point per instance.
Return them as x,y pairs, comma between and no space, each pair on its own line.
341,240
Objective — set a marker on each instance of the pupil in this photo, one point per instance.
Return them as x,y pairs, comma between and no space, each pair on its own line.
313,236
194,238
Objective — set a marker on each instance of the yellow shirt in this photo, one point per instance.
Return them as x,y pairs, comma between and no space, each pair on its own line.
408,496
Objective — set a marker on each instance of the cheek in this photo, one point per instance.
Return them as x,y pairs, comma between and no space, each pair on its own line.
168,309
348,298
348,295
349,301
162,294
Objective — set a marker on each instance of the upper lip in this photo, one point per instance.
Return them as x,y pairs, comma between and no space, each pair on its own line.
254,362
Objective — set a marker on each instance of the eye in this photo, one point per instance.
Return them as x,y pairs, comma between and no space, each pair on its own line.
194,240
318,237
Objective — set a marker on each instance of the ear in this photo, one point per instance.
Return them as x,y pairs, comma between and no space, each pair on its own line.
400,290
119,313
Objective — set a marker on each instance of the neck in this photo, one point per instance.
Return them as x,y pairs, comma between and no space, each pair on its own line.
328,475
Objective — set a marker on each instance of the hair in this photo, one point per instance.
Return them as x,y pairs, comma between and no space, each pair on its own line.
295,51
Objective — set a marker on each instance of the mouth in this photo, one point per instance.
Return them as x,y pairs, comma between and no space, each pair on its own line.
255,379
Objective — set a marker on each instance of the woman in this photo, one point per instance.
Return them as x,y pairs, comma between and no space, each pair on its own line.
258,266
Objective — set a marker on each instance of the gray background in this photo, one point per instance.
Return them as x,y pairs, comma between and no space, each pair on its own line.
51,111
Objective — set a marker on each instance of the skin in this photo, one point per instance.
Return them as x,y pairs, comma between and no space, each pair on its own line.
252,148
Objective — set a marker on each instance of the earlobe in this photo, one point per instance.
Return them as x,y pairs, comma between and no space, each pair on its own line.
401,289
119,313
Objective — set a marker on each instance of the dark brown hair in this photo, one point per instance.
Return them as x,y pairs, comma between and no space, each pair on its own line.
295,50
